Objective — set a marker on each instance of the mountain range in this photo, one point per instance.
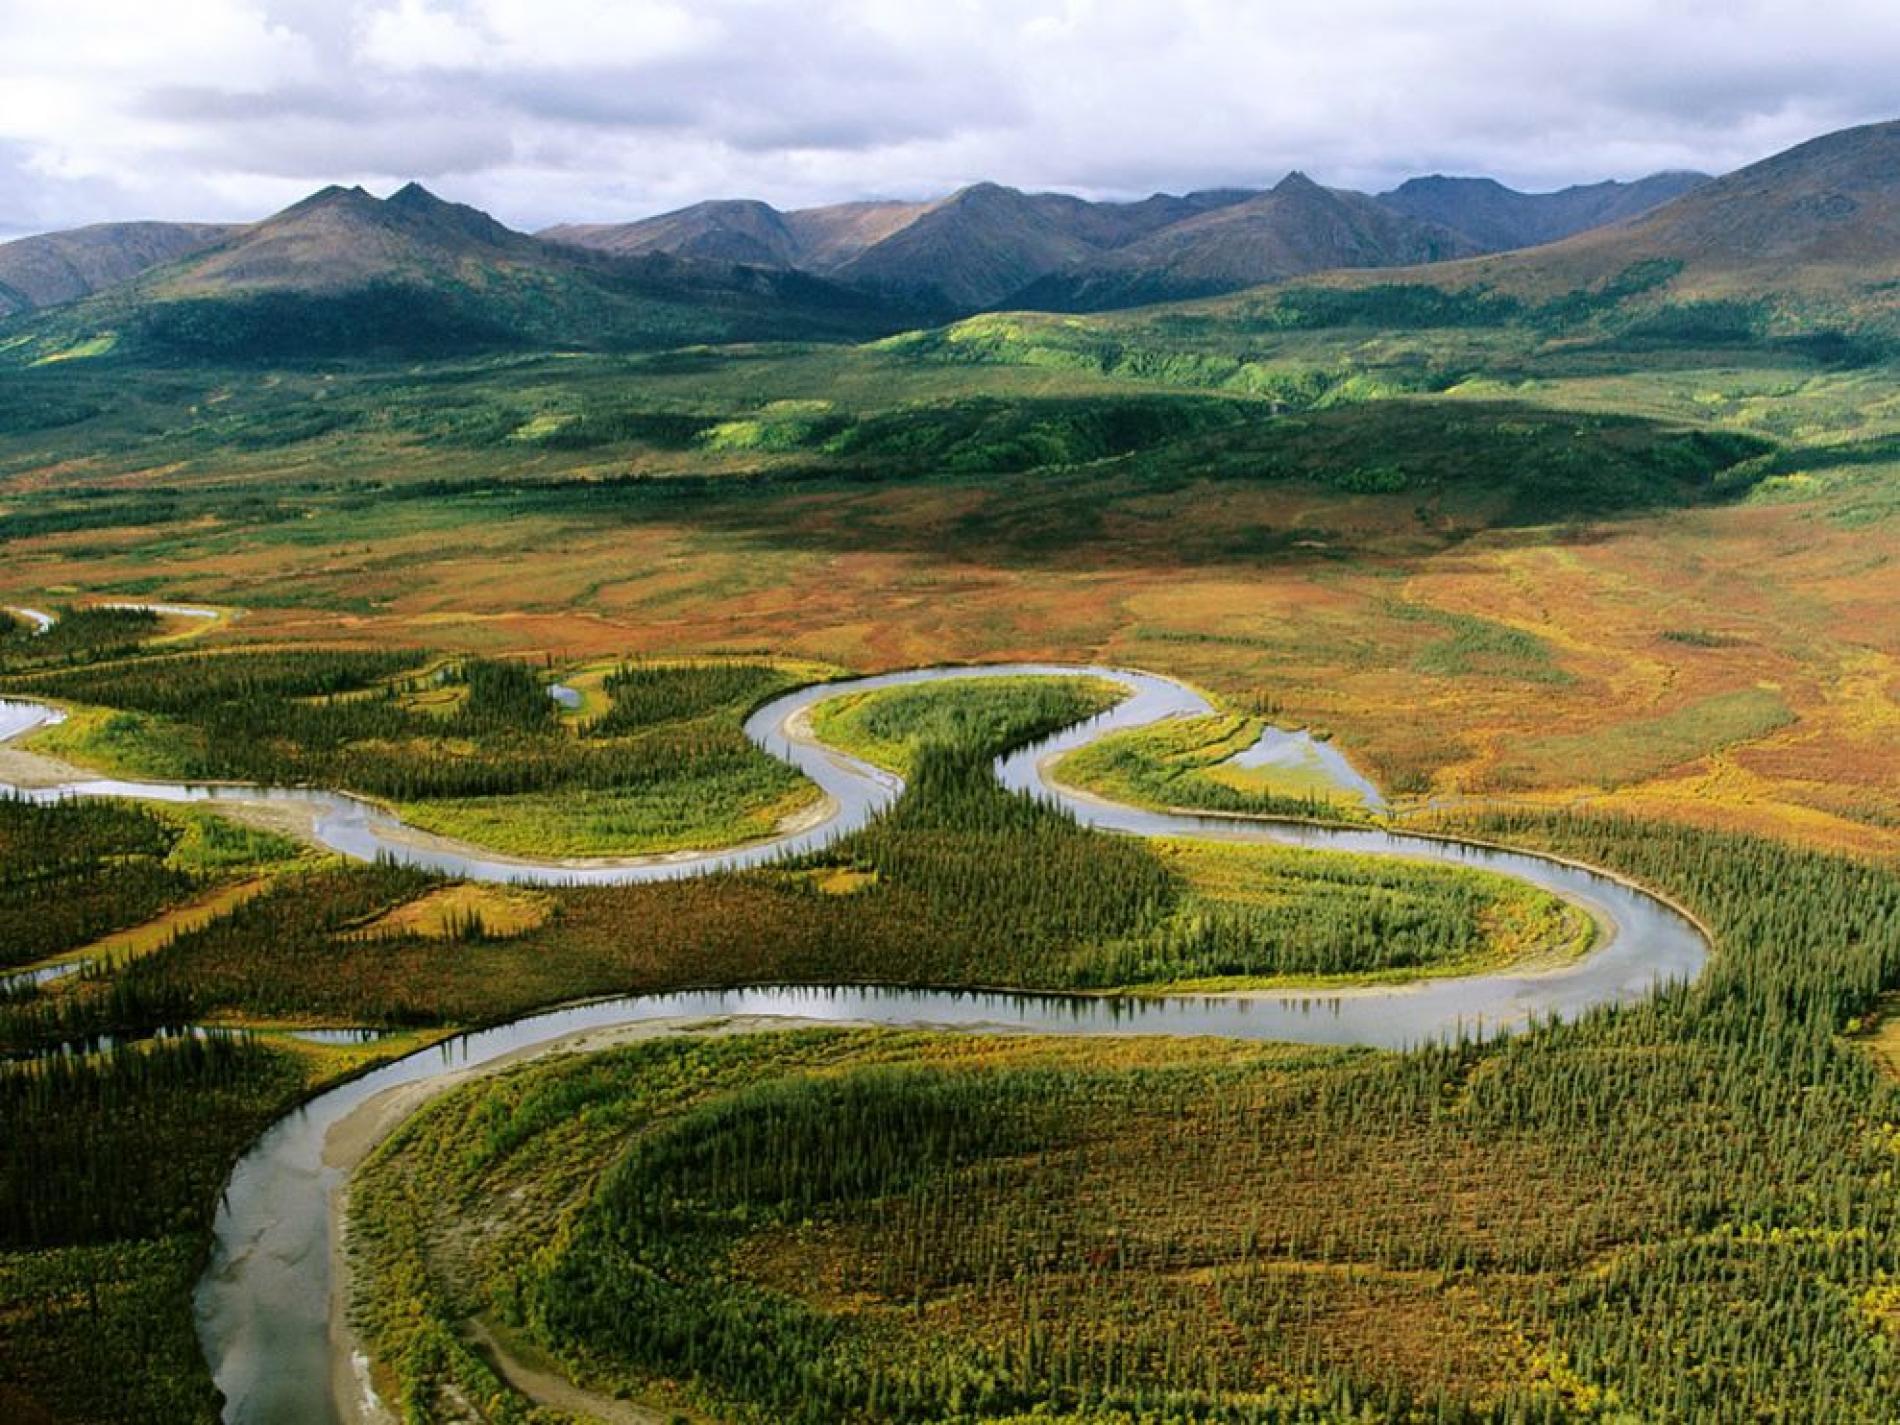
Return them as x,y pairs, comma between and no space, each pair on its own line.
989,246
343,272
982,246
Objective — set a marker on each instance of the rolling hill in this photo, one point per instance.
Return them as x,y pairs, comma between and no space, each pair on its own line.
744,230
1826,210
972,249
830,236
341,238
986,245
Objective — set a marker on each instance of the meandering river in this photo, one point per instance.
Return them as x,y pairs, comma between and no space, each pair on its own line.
264,1308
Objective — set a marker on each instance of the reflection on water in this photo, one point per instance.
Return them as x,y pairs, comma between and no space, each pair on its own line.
13,981
41,620
345,1037
165,610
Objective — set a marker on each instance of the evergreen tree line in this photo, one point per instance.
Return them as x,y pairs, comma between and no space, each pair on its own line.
645,694
73,871
84,1161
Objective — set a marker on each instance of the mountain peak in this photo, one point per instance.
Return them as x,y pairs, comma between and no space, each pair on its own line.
414,195
1442,181
984,194
417,207
1297,182
408,205
341,238
332,196
739,230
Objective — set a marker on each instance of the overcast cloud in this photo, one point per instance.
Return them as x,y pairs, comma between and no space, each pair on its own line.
546,110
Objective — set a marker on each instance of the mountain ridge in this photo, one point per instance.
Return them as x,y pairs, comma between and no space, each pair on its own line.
1500,218
987,245
978,247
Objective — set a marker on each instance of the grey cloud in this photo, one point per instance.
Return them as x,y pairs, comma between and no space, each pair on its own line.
318,150
214,107
601,99
780,90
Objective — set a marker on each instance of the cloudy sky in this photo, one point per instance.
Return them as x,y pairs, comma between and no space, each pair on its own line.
543,110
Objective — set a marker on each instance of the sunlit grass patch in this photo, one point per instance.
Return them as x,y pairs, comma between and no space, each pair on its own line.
464,912
93,346
435,697
778,427
126,744
540,426
1296,764
1881,1035
214,844
589,685
326,1058
1482,648
843,881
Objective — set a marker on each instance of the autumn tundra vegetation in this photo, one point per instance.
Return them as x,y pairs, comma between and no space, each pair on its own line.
1584,550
